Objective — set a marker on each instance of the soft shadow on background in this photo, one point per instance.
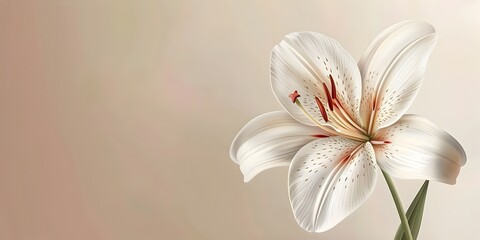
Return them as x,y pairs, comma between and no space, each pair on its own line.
117,117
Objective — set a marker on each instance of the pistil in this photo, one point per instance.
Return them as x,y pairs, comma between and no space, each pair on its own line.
294,96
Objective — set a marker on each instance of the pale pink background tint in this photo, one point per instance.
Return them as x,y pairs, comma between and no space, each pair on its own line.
116,117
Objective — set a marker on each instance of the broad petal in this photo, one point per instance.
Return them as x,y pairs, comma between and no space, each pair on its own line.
329,179
270,140
392,70
419,150
303,62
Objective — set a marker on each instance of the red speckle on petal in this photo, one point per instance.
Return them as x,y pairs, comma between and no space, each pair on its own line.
345,160
379,142
320,136
294,96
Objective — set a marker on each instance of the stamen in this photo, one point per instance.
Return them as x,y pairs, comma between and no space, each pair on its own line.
294,96
340,116
347,116
329,98
333,132
334,89
322,109
329,129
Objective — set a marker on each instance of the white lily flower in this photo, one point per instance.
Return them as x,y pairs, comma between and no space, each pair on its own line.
343,121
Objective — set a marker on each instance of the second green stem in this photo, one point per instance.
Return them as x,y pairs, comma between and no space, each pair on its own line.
398,204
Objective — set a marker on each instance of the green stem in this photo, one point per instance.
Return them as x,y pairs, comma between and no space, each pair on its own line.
399,206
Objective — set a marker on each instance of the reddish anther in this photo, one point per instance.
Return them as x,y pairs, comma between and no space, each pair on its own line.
334,89
329,98
322,109
294,96
320,136
387,142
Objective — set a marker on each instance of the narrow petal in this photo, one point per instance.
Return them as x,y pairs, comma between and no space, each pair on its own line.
270,140
392,70
304,62
329,179
419,150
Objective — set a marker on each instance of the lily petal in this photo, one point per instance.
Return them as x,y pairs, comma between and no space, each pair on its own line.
418,149
270,140
392,70
329,179
303,62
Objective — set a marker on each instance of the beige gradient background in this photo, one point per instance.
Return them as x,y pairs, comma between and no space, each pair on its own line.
116,117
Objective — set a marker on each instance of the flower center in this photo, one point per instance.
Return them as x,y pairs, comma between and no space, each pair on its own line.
336,120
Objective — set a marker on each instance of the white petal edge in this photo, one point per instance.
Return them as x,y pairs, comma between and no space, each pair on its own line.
270,140
419,150
302,62
392,70
324,188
